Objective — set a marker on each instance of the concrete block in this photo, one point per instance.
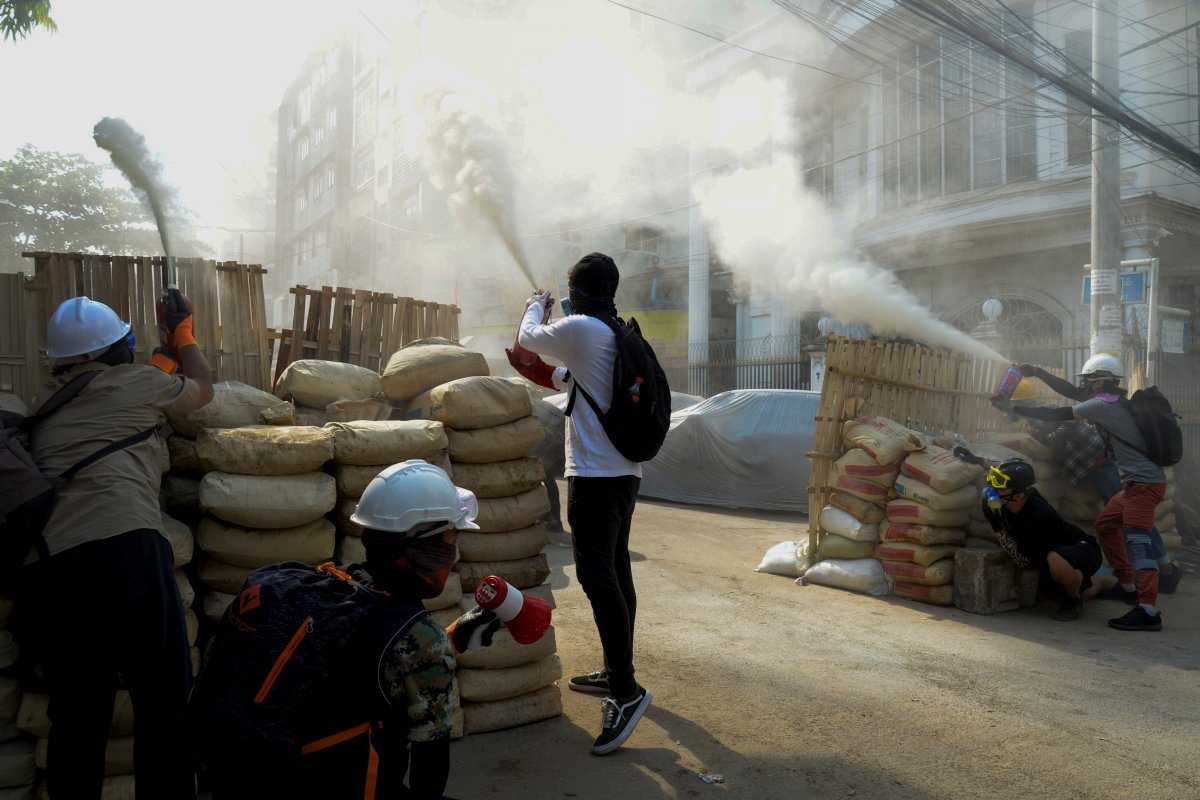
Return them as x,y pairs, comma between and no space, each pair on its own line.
986,581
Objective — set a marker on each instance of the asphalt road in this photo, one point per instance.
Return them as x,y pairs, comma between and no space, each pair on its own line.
773,690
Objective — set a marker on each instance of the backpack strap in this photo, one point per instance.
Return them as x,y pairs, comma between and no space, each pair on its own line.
66,394
108,450
615,324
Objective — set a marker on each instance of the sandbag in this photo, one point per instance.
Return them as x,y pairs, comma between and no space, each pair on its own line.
904,510
912,489
923,554
788,558
500,478
311,417
350,550
862,489
1046,470
922,534
310,543
510,546
180,493
501,514
413,370
341,518
471,403
834,546
521,573
942,595
835,520
484,685
187,592
17,764
938,573
940,469
1053,489
179,536
856,507
887,441
182,452
1025,443
386,442
358,410
118,755
552,447
264,449
234,405
506,651
858,463
511,440
351,480
283,413
315,383
268,501
214,603
863,575
222,577
503,714
32,717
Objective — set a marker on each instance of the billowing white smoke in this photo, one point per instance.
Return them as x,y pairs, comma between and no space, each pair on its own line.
128,150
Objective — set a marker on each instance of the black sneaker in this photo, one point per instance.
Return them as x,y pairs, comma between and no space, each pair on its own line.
592,683
618,718
1167,581
1137,619
1115,592
1069,610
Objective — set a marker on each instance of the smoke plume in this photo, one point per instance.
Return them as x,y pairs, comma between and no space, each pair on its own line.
128,150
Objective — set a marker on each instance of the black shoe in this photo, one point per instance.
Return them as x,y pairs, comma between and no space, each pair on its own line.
1069,610
618,718
1167,581
1115,592
1137,619
592,683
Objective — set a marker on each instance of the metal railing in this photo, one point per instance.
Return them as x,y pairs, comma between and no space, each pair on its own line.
764,362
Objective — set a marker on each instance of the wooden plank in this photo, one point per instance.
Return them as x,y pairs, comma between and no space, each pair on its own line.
258,307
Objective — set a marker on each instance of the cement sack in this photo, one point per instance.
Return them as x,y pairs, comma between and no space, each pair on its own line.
515,439
268,501
887,441
938,573
864,490
1024,443
386,442
413,370
118,755
552,446
910,488
940,469
521,573
502,514
234,405
350,551
179,536
311,417
265,449
279,414
863,575
214,603
32,717
486,685
500,478
914,513
942,595
788,559
834,546
506,651
1075,509
341,519
858,463
358,411
504,714
191,624
922,534
315,383
981,529
114,787
835,520
351,480
923,554
1046,470
472,403
164,454
527,542
310,543
222,577
1166,523
856,507
449,598
181,493
17,764
187,592
995,452
10,649
182,452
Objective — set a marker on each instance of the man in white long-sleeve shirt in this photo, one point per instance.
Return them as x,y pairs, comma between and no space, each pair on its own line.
602,485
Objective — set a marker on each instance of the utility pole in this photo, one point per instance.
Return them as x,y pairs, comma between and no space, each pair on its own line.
1107,321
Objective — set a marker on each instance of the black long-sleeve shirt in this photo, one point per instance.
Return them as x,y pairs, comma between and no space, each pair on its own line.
1031,533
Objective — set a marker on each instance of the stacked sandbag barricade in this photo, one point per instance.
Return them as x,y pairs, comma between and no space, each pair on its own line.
330,391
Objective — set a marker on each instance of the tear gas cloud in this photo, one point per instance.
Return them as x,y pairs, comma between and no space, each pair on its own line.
133,158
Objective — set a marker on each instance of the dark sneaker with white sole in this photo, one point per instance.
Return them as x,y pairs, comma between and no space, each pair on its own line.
1069,610
1168,581
618,718
592,683
1137,619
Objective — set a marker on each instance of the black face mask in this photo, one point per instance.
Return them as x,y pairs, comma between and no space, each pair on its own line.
120,353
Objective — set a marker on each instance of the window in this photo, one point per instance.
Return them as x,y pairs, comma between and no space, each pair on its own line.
364,166
329,171
331,118
302,149
1079,115
642,240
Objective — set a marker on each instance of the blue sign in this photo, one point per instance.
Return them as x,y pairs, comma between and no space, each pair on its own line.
1133,288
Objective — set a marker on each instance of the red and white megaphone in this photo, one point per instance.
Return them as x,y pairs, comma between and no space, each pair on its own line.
526,618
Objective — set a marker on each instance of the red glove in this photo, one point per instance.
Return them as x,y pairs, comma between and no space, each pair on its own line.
538,371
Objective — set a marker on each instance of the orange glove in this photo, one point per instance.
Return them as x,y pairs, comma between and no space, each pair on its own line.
163,361
174,312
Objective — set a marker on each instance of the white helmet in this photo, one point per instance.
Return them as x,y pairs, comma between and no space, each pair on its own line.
413,492
80,325
1101,366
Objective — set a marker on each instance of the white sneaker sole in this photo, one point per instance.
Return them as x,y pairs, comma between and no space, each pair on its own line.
634,719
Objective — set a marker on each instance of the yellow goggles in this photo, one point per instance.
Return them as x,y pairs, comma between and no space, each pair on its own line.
997,479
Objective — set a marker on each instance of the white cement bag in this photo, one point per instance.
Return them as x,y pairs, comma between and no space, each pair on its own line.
187,592
504,714
858,463
386,442
940,469
511,440
501,514
262,501
214,604
1024,443
786,558
219,576
265,449
182,452
234,405
525,543
485,685
500,478
17,764
358,410
835,520
912,489
310,543
886,440
470,403
179,536
506,651
315,383
922,534
413,370
864,575
521,573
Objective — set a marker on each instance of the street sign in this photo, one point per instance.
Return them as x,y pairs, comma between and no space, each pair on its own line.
1133,288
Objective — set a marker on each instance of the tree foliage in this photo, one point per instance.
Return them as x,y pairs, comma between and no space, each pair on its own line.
60,202
19,17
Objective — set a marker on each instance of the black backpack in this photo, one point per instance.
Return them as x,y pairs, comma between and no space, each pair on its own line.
1158,424
26,494
284,683
640,413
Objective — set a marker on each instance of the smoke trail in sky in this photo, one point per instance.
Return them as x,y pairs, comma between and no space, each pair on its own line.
128,150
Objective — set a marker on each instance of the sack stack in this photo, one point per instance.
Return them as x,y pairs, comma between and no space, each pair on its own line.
330,391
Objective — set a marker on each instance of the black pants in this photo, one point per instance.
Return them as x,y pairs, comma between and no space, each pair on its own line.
600,511
98,609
